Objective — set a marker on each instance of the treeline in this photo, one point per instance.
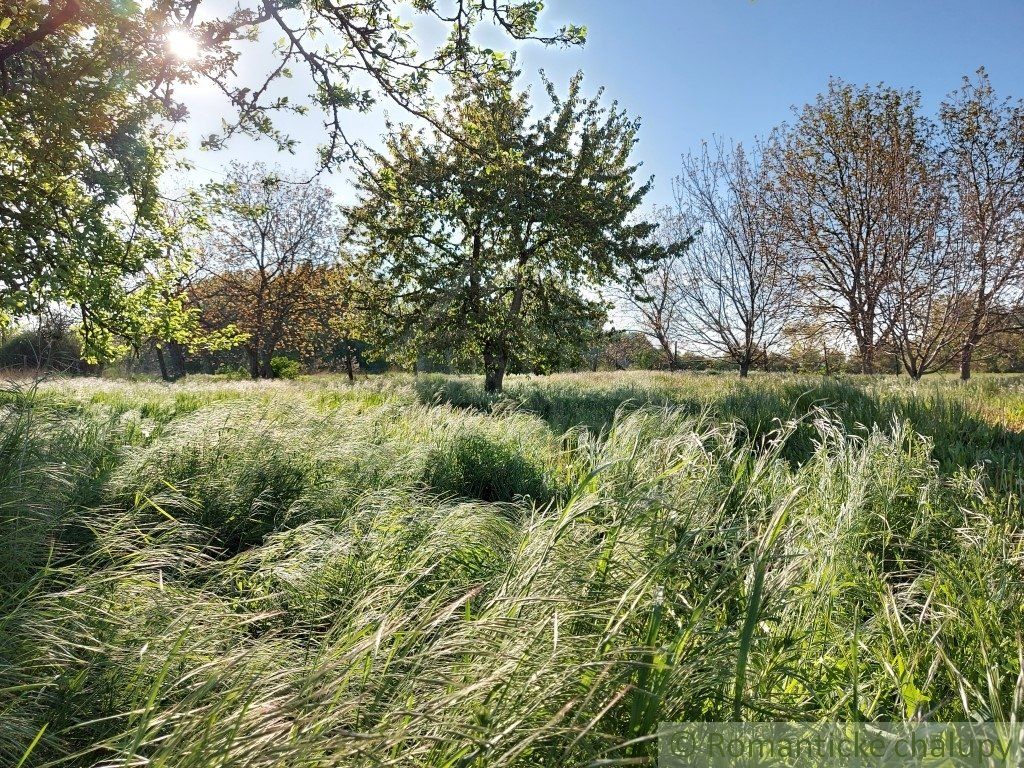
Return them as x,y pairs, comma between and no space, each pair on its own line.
865,236
865,225
506,234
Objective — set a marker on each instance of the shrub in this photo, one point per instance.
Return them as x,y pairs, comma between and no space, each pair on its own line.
285,368
231,372
54,349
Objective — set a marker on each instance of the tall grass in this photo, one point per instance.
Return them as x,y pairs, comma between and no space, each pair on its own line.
320,575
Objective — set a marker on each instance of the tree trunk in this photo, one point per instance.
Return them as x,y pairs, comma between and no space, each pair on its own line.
349,367
494,380
266,369
254,362
966,355
495,363
178,356
163,363
867,358
666,348
915,372
744,368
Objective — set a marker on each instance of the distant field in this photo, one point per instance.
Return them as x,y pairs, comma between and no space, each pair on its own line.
409,572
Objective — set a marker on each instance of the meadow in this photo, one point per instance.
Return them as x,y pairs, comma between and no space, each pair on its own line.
409,572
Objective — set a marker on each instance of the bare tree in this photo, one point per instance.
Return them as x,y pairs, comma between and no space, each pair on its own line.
853,193
734,291
984,139
654,304
924,302
261,266
926,305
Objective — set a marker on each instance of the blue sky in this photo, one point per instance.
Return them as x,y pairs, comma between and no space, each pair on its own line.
692,69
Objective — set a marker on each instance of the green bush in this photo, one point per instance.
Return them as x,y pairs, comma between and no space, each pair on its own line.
57,350
231,372
285,368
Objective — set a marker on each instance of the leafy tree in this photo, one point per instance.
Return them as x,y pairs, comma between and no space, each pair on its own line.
79,203
488,228
335,325
565,327
88,93
349,54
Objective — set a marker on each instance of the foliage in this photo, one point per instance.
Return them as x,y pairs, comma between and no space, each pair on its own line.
349,57
285,368
622,350
87,226
268,271
488,230
49,347
82,209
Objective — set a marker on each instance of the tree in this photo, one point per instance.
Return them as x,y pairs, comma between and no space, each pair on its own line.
264,262
623,350
654,303
852,191
80,206
984,138
734,286
926,306
489,228
335,323
349,53
88,99
813,346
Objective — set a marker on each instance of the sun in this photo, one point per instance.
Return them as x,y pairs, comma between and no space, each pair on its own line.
181,44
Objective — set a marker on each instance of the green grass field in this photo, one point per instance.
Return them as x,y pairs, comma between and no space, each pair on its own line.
405,572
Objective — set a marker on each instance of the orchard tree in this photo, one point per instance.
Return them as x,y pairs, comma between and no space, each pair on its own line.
489,228
654,304
928,307
734,285
82,151
80,209
853,191
347,55
335,322
89,95
270,240
984,142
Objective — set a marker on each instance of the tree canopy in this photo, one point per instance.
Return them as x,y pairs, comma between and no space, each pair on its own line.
490,227
89,100
348,54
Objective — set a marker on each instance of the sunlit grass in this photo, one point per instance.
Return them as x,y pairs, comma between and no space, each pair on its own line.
405,572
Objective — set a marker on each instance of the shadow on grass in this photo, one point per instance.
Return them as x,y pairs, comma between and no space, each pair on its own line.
961,437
